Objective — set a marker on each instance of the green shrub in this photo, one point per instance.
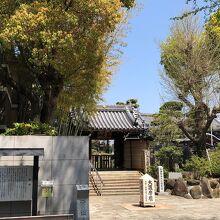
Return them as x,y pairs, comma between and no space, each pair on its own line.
215,162
168,156
32,128
199,166
153,171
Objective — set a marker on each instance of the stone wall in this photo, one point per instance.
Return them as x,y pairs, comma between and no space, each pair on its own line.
194,189
65,161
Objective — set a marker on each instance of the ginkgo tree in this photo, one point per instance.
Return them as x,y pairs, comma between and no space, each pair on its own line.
191,74
59,53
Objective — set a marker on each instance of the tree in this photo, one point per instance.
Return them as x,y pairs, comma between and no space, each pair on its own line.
168,156
191,74
165,128
60,53
213,31
131,102
207,6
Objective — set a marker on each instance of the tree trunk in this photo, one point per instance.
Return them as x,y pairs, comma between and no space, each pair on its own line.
201,149
49,104
52,84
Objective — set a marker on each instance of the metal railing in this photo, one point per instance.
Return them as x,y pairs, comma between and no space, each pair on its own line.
95,179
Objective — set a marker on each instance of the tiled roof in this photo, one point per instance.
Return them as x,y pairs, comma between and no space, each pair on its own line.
148,118
116,118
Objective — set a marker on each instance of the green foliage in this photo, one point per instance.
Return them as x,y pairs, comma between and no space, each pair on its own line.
132,102
191,74
165,128
168,156
153,171
128,3
171,106
120,103
33,128
66,51
198,165
207,6
215,162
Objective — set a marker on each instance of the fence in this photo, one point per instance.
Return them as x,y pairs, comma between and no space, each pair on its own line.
103,161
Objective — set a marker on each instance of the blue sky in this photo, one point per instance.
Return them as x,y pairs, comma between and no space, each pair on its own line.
138,75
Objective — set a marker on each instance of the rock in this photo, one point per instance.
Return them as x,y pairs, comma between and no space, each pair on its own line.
179,188
196,192
170,183
169,191
214,183
216,193
206,188
193,182
187,196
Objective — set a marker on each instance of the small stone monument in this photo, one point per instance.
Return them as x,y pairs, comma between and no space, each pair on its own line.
160,179
147,193
175,175
82,203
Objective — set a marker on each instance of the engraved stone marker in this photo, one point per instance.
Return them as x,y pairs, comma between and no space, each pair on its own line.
16,183
147,193
161,179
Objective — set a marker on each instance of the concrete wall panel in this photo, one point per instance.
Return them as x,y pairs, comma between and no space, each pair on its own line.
65,161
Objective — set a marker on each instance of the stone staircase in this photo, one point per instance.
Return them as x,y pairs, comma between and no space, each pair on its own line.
115,183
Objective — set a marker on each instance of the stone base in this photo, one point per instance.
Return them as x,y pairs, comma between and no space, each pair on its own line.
162,193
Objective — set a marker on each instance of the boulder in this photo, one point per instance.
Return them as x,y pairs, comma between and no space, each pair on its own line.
170,183
196,192
214,183
216,193
193,182
179,188
187,196
206,188
169,191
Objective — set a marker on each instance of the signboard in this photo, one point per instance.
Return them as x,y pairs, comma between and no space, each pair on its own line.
146,160
47,192
47,188
147,193
161,179
83,209
82,203
16,183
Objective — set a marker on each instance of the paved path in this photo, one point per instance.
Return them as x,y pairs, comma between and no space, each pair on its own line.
167,207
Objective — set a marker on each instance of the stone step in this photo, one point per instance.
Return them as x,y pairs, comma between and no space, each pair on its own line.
118,183
115,193
107,176
121,183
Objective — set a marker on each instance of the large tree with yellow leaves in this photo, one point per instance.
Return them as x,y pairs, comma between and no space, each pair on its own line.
59,53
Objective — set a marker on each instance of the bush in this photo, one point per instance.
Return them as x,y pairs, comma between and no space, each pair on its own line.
153,171
215,163
199,166
32,128
168,156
